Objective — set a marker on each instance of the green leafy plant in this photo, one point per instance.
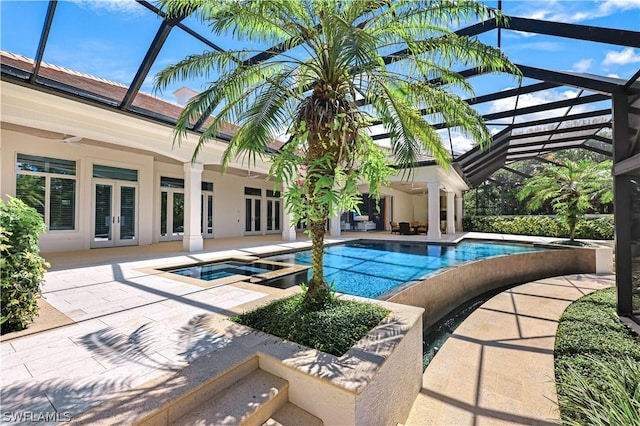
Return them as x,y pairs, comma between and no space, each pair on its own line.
597,361
570,188
21,266
334,329
336,84
592,228
617,404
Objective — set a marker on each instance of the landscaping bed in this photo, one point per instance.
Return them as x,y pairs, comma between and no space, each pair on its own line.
597,364
333,329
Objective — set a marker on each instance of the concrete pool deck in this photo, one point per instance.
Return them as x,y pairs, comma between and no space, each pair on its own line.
130,327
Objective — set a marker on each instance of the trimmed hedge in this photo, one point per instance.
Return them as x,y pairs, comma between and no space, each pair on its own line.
334,329
591,228
22,268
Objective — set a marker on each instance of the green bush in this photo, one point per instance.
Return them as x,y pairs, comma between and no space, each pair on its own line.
21,266
592,228
334,329
597,361
617,403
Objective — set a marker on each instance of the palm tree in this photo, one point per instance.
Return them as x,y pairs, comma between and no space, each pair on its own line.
338,67
571,188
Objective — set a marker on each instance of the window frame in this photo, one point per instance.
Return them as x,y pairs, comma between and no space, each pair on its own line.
48,176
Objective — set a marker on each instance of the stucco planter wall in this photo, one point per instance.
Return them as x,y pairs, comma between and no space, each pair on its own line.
443,292
375,382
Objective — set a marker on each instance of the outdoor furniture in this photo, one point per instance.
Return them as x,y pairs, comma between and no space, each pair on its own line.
418,227
394,227
405,229
363,223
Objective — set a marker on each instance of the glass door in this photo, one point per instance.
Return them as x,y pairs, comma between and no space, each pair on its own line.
252,215
171,214
273,215
114,219
206,226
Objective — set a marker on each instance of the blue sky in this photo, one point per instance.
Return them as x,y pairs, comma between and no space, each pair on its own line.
109,38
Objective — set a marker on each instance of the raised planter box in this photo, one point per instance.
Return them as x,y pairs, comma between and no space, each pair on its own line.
375,382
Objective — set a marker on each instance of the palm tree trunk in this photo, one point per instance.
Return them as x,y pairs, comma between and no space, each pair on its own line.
318,290
573,220
572,231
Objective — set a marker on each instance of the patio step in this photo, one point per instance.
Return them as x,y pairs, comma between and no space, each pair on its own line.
292,415
250,401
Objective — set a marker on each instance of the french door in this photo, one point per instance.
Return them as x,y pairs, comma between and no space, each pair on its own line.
171,214
207,214
273,215
252,215
115,214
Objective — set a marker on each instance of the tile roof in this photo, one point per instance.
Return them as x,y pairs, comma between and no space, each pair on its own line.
110,91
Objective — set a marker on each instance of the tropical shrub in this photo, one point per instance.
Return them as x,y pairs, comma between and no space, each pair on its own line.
591,228
597,360
333,329
22,268
571,188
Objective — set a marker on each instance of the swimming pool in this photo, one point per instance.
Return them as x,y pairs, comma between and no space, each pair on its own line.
373,268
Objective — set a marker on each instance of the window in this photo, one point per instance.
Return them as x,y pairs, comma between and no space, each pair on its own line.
117,173
168,182
49,186
252,191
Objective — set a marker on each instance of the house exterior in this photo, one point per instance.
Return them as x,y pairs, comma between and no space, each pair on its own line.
104,177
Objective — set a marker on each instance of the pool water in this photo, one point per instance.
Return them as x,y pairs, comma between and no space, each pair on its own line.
214,271
372,268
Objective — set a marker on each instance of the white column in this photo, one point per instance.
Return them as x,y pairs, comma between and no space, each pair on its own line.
459,204
434,211
334,226
288,225
192,238
451,211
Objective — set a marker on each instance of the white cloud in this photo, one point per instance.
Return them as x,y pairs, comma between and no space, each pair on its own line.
613,75
627,56
460,142
112,6
534,99
545,46
612,6
576,11
582,65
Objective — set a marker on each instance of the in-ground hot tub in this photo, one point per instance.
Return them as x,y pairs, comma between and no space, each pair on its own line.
217,270
228,271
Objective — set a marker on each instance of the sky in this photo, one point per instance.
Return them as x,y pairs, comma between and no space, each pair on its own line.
109,38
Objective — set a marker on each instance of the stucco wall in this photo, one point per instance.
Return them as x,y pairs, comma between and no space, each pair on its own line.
229,196
85,157
443,292
389,396
420,208
374,383
402,206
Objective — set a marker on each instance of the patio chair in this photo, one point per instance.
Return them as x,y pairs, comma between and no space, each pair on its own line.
394,227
